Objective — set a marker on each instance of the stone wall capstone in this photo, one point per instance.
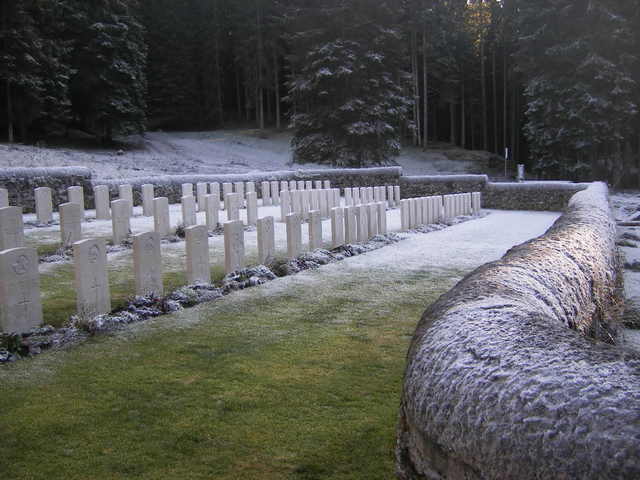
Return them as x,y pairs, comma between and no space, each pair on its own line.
21,183
509,374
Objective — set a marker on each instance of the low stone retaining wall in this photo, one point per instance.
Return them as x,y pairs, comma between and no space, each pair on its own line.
504,378
21,183
553,196
428,185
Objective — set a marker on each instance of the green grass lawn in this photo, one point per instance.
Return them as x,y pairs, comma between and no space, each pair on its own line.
297,379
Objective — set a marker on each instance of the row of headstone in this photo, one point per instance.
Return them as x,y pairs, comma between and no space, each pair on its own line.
427,210
357,195
303,202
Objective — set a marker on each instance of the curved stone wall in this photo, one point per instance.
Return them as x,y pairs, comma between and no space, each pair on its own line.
505,378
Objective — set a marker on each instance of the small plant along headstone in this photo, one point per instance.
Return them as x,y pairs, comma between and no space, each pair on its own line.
233,246
147,264
198,264
91,280
70,223
20,304
11,228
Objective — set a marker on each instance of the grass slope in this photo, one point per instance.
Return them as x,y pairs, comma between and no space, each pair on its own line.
297,379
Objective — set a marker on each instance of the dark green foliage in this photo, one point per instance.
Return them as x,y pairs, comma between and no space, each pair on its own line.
348,89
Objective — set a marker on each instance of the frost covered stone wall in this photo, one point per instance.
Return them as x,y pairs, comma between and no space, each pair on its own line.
553,196
427,185
504,376
21,183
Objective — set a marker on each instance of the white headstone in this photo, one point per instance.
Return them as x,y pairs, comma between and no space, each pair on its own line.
327,184
198,265
252,208
336,197
125,192
315,199
355,192
232,204
284,185
187,189
227,189
300,184
233,246
392,204
11,228
275,193
362,212
315,230
212,209
266,240
44,205
120,220
238,187
285,204
70,223
382,218
351,224
161,219
265,188
317,184
101,199
147,264
396,195
294,235
20,304
308,185
214,188
293,185
4,197
93,296
337,226
189,216
418,208
306,203
201,192
404,215
147,199
373,219
348,199
75,194
324,202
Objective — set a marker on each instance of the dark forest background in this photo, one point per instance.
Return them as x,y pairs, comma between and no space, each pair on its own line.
557,82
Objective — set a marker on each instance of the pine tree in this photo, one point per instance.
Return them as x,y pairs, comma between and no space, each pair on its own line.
348,83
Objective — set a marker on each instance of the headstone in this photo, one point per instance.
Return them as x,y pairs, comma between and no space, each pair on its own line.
197,243
227,189
327,184
189,217
337,226
20,304
44,205
355,191
308,185
315,230
373,219
427,210
147,264
520,172
238,187
252,208
293,185
187,190
120,220
161,219
476,201
250,187
266,240
324,202
125,192
382,218
284,185
75,194
396,195
212,211
11,228
214,188
317,185
232,204
439,208
370,198
306,203
348,199
70,223
285,204
294,235
404,215
147,199
300,184
351,224
392,204
315,199
101,199
4,197
275,193
201,192
233,246
418,208
362,212
93,296
336,197
266,193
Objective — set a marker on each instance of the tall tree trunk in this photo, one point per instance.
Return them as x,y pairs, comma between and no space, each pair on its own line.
452,122
9,113
473,126
495,100
416,90
260,92
238,93
276,85
505,120
217,59
483,82
425,92
463,119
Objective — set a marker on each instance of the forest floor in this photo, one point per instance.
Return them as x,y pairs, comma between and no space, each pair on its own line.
217,152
